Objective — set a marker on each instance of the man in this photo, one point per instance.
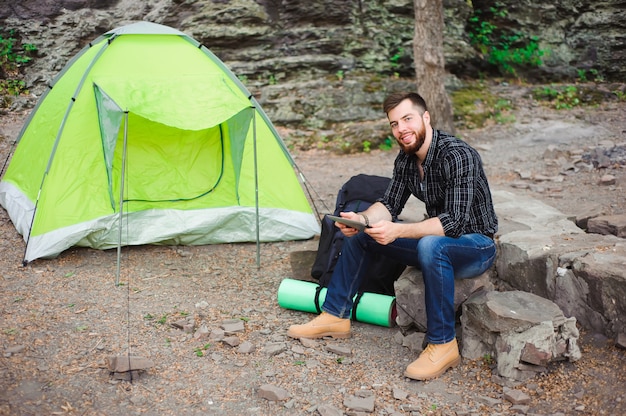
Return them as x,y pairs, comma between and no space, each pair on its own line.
456,241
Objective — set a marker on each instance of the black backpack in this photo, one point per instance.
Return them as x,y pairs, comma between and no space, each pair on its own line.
357,194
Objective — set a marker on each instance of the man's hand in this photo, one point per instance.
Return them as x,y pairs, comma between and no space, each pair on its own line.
348,231
384,232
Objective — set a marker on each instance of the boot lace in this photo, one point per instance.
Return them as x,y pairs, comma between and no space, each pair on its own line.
429,351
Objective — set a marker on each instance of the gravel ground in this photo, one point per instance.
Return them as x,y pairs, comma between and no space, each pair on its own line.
60,319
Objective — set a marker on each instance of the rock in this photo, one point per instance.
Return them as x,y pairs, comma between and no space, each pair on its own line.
273,393
594,286
232,341
521,409
535,242
217,335
515,396
584,213
521,331
301,263
232,326
328,410
123,363
14,350
308,343
542,178
127,367
414,341
186,324
606,180
275,348
360,402
246,347
298,349
202,305
339,350
180,324
399,394
532,355
601,161
608,225
489,401
202,333
409,289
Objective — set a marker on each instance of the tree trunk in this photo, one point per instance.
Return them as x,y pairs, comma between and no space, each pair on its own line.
430,62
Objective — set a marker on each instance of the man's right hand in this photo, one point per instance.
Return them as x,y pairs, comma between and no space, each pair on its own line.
349,231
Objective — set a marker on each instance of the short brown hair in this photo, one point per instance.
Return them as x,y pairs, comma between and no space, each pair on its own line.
396,98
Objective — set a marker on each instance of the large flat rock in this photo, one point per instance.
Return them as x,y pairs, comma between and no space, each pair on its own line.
542,251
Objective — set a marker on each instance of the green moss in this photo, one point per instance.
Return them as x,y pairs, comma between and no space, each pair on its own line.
375,83
475,106
14,55
564,97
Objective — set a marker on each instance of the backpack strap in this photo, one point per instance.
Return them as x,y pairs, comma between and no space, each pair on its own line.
355,305
318,289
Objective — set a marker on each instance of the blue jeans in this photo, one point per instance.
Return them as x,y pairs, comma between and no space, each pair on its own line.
441,260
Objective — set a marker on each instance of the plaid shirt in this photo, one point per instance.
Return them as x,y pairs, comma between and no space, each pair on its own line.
454,188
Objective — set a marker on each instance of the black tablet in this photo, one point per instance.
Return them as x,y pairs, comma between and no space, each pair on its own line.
357,225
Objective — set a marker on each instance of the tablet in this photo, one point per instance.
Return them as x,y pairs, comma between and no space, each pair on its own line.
357,225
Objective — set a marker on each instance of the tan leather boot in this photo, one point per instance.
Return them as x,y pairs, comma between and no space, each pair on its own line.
325,325
434,361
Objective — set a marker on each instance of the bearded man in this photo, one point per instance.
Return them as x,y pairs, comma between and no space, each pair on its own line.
454,242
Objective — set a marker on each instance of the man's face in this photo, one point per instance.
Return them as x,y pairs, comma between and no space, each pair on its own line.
407,126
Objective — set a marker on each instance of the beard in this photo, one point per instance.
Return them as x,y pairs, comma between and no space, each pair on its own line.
420,136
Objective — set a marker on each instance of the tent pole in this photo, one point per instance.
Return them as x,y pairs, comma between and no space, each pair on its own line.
256,191
119,240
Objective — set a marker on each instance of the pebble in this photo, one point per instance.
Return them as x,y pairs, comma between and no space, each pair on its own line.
273,393
606,180
233,341
297,349
516,396
246,347
399,394
328,410
233,326
339,350
309,343
274,349
358,403
520,409
14,350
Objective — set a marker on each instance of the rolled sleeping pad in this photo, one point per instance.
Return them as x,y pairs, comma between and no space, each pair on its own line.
300,295
371,308
374,308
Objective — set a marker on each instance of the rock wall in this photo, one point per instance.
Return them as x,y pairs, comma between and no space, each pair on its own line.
542,252
308,62
579,35
293,39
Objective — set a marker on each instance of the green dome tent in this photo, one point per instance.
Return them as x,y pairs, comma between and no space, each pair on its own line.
146,137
